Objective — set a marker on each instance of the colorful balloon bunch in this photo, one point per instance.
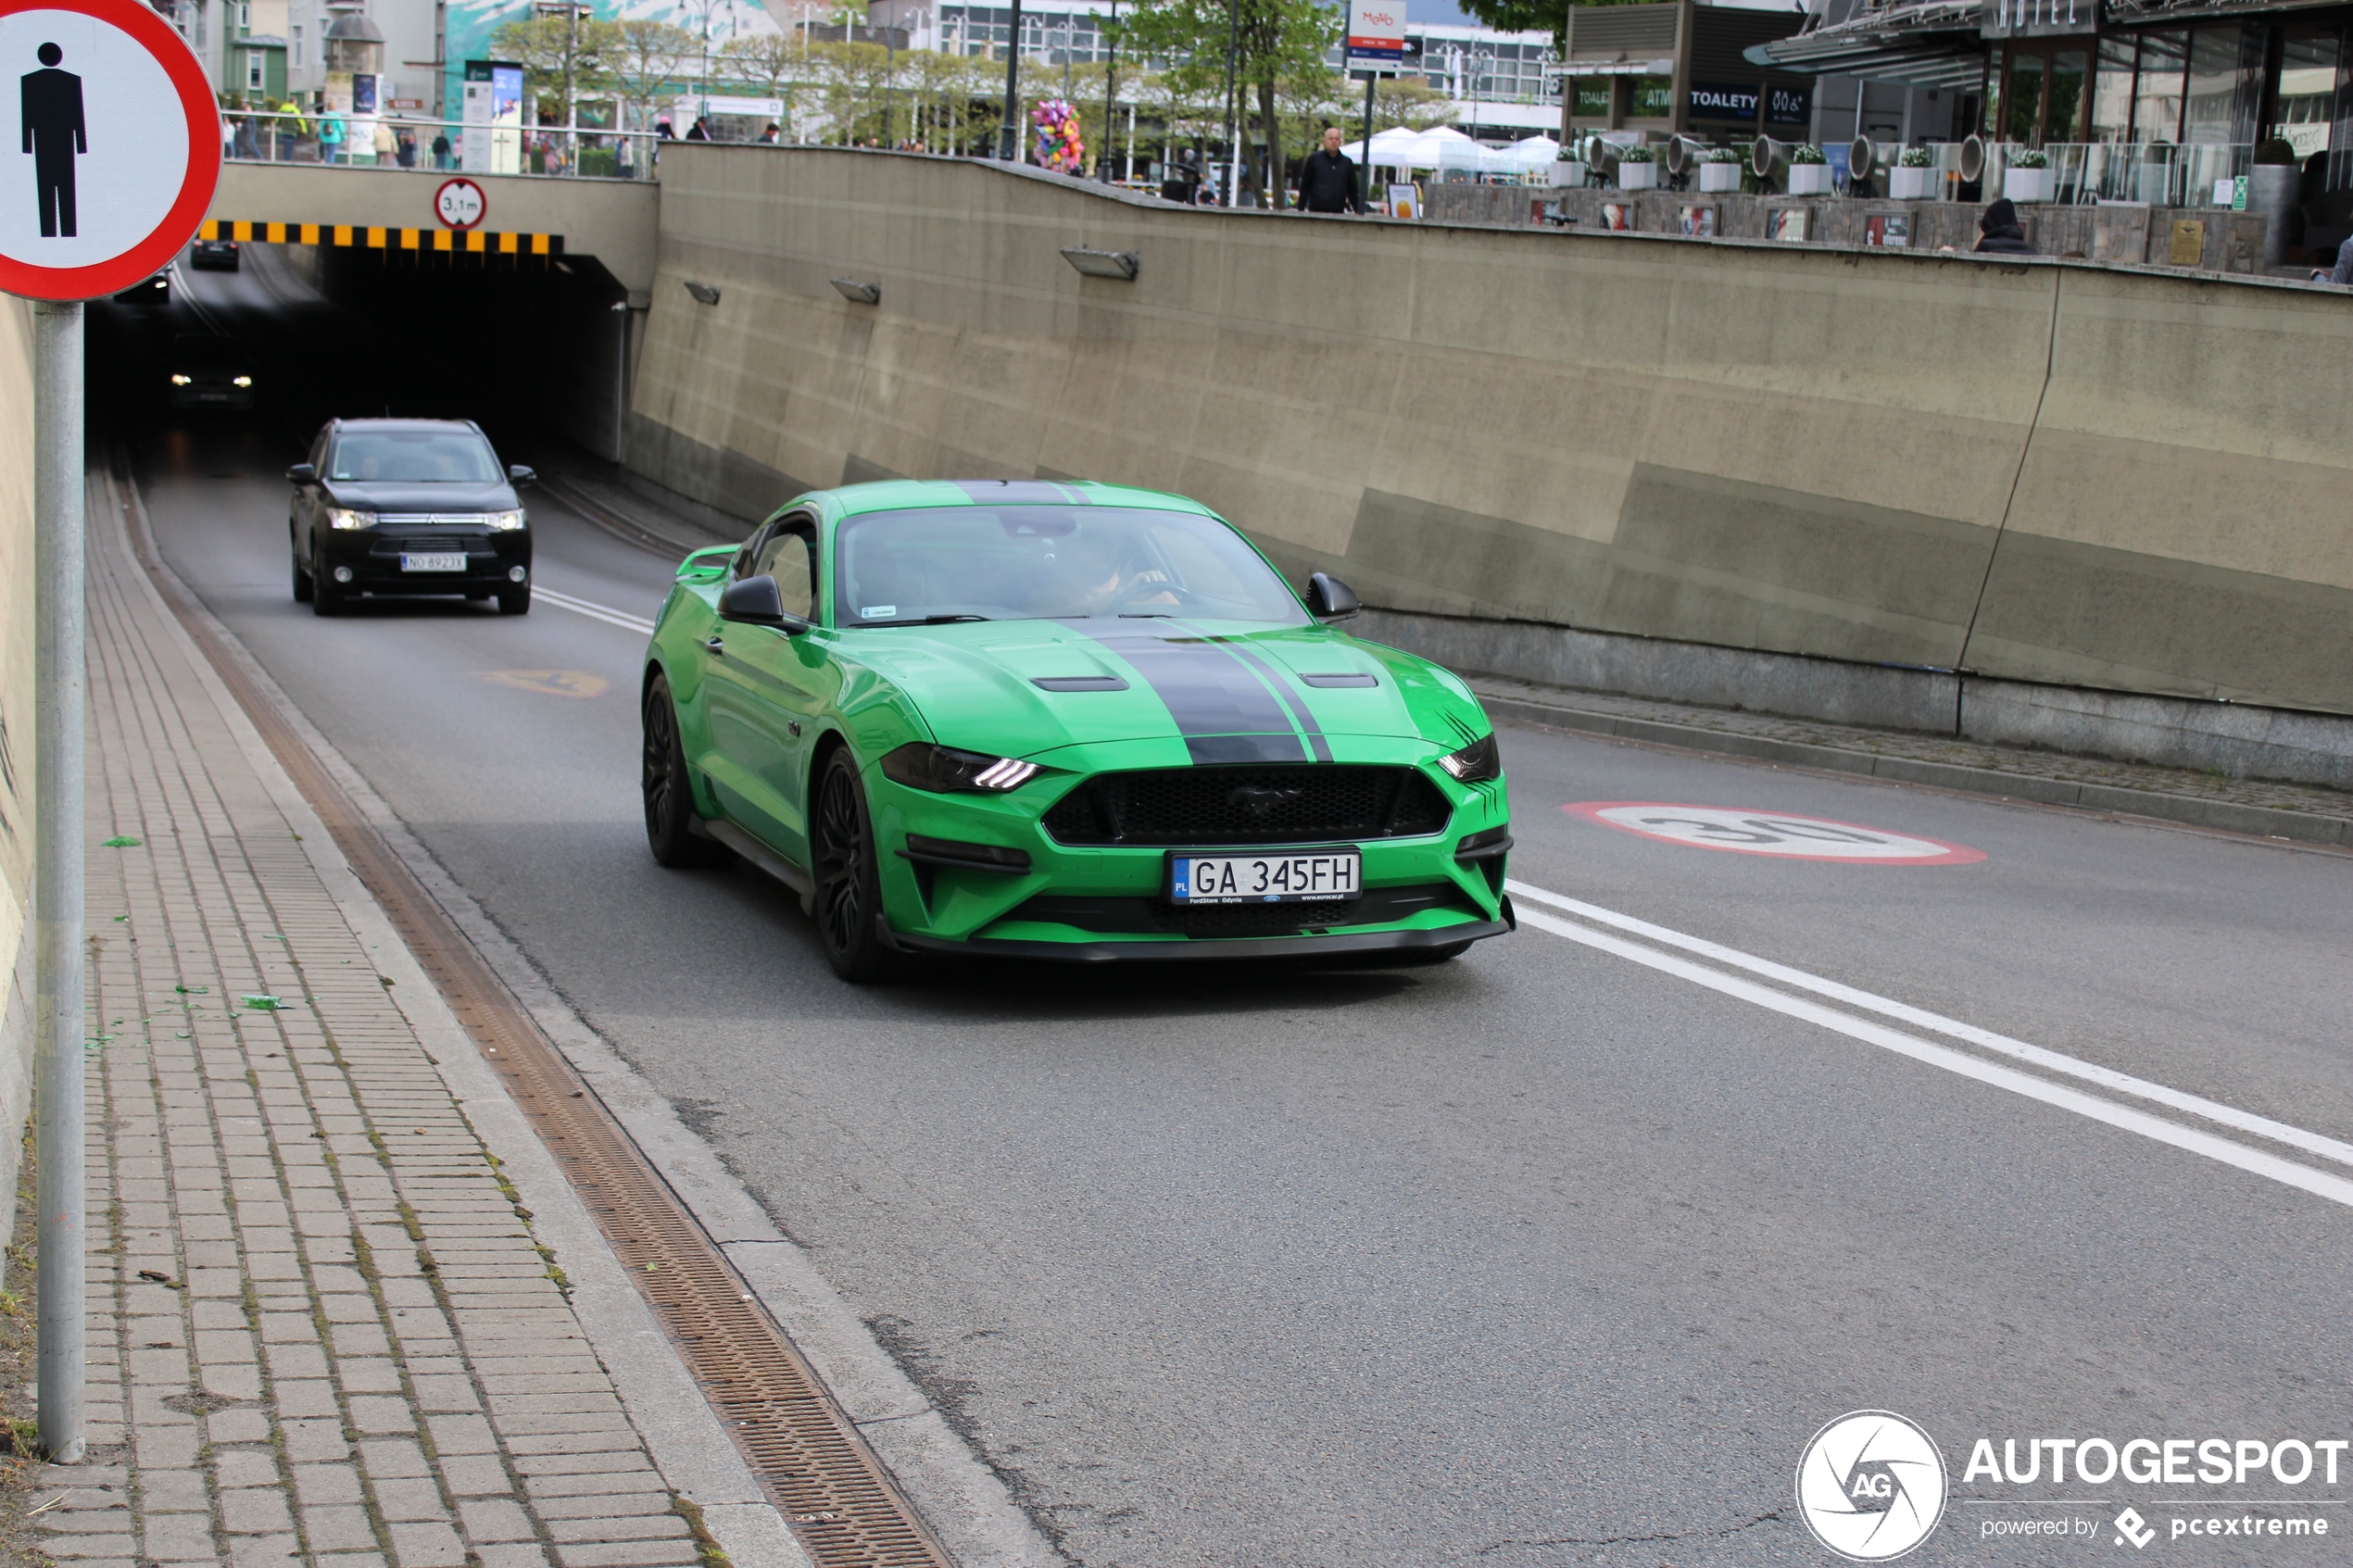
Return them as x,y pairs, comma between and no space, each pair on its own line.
1059,147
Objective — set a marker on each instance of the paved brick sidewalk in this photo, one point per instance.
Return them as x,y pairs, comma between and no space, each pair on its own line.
322,1327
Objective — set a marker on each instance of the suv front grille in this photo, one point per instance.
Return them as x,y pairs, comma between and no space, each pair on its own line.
1297,803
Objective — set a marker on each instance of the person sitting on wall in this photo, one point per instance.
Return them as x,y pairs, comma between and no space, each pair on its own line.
1999,233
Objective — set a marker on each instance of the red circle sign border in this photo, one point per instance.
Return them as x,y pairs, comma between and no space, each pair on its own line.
460,180
150,256
1952,854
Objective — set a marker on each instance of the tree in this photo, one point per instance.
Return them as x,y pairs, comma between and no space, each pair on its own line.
540,44
650,59
1273,41
772,64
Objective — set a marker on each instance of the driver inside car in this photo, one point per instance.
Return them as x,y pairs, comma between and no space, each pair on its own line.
1113,573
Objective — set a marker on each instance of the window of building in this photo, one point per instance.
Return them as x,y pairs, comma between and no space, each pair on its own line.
2157,96
1653,98
1592,97
294,55
2022,104
253,71
2307,102
2112,92
2224,86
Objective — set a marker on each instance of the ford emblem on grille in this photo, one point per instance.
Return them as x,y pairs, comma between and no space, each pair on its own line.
1260,799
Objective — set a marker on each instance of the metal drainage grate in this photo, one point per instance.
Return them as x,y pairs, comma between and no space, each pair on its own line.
809,1458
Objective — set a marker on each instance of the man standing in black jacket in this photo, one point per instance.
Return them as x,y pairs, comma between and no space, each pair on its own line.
1327,180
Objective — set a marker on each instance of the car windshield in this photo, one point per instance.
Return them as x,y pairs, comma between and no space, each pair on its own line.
208,351
1050,563
454,456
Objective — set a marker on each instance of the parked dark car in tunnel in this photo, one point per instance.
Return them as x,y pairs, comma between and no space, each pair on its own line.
406,507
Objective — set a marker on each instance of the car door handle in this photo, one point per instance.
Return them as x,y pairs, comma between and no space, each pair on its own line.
716,644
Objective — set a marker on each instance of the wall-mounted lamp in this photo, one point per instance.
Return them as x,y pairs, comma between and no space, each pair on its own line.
864,293
704,294
1120,264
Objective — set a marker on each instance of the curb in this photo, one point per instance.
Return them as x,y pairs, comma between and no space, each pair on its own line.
2265,822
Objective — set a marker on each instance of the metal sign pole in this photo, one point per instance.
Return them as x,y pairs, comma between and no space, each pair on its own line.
58,500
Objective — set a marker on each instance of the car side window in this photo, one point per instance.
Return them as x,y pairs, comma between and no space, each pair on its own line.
789,555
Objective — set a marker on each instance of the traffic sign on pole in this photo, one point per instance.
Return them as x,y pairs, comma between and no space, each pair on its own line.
113,155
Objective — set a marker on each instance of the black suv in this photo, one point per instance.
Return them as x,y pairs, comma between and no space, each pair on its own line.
408,507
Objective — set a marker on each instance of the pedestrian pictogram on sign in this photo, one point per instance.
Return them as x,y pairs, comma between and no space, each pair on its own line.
460,204
116,147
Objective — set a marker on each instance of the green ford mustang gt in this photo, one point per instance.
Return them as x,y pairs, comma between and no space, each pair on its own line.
1062,722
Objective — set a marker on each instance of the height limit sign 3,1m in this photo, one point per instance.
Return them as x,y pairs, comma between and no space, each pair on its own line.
110,151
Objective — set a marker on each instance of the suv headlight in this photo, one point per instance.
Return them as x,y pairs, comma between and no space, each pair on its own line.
1475,763
505,522
944,771
343,517
182,381
240,380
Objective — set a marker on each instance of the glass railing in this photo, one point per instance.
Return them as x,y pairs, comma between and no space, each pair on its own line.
2085,173
400,141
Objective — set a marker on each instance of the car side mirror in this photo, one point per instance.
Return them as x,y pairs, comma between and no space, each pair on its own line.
519,476
1328,598
755,601
302,473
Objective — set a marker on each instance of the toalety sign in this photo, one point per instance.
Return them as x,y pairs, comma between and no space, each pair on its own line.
1872,1485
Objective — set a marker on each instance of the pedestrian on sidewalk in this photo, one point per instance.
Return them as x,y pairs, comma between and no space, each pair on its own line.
1327,180
1999,232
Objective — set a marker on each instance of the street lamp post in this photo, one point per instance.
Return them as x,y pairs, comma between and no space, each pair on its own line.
1009,138
1110,86
1233,143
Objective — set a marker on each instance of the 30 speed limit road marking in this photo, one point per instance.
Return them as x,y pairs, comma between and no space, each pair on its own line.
1742,830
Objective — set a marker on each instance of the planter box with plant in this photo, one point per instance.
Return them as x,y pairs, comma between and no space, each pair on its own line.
1912,178
1570,171
1809,172
1636,170
2030,177
1720,170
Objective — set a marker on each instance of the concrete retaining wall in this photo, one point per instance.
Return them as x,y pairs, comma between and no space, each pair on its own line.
611,219
16,741
2046,472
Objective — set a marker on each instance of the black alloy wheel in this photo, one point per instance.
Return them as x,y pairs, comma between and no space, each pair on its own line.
849,884
670,793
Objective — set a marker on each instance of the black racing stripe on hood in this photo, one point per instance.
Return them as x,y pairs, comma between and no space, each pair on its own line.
1300,714
1223,710
1021,493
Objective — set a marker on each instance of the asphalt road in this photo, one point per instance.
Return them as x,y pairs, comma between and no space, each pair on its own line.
1545,1256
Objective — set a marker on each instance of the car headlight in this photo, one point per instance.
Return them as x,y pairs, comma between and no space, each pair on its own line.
242,381
1475,763
945,771
181,380
343,517
505,522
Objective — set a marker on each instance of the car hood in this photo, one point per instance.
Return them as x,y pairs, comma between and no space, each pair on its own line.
1236,692
399,498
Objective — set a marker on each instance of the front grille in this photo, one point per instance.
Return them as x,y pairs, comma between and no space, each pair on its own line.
424,519
1300,803
1150,917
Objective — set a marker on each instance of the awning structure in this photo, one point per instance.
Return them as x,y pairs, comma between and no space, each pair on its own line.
1924,42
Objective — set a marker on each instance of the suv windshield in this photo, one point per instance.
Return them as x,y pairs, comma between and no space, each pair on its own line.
1050,563
206,351
455,456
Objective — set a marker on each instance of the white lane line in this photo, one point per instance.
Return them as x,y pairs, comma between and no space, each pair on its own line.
2336,1189
592,610
2106,1078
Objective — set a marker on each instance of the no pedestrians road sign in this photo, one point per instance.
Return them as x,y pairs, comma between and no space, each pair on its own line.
110,142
